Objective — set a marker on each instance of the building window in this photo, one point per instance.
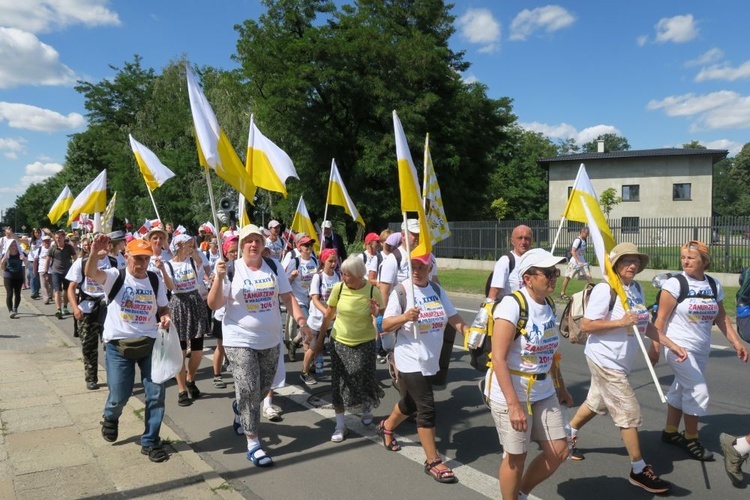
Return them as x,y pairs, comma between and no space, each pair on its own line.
570,190
631,192
681,191
631,224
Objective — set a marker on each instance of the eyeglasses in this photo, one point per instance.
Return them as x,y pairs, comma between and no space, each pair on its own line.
548,273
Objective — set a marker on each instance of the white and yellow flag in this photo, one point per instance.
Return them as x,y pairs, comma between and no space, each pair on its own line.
268,164
62,204
408,183
583,195
433,201
92,199
302,223
214,149
108,216
155,173
339,196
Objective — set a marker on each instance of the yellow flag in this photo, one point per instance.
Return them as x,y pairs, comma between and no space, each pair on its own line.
215,151
433,200
602,254
339,196
154,172
268,164
92,199
408,183
61,205
583,195
302,223
108,216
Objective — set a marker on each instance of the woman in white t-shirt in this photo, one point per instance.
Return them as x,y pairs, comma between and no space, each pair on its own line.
688,323
418,358
189,313
300,270
251,326
320,289
610,350
519,385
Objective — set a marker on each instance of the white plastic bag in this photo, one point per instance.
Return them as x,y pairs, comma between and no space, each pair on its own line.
166,358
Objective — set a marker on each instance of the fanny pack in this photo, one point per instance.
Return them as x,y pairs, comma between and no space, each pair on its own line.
135,348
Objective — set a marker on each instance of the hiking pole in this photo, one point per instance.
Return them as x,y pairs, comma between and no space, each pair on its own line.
648,362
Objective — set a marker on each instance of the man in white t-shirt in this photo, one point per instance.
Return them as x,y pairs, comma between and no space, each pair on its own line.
577,265
505,278
138,308
372,257
273,241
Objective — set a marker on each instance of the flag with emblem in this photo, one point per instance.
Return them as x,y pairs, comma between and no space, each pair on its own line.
433,201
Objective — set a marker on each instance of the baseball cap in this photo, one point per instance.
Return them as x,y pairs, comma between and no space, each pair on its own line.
46,237
305,240
326,223
425,259
412,225
116,235
139,247
537,257
371,237
273,223
251,229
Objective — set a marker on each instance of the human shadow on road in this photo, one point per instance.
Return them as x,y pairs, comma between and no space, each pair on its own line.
611,488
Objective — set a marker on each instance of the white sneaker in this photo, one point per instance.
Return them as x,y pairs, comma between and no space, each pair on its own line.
272,414
13,314
339,434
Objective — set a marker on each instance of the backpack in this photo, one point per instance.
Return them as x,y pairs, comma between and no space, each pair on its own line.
340,286
481,356
684,290
743,305
569,251
511,266
572,315
379,256
271,263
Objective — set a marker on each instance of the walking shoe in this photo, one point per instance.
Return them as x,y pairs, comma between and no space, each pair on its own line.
307,379
219,383
195,393
109,430
649,481
272,414
92,386
35,296
65,311
381,359
47,302
732,459
693,446
59,314
339,434
13,313
576,455
183,399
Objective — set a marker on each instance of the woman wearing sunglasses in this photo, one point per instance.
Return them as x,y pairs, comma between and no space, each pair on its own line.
688,323
523,398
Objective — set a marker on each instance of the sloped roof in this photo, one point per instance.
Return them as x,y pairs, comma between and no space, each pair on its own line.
716,155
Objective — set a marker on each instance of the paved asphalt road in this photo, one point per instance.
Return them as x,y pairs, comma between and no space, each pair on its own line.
308,465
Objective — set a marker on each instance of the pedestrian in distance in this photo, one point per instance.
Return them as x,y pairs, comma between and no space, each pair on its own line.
505,277
577,265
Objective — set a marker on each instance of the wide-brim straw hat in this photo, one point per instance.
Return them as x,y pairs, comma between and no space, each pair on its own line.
627,248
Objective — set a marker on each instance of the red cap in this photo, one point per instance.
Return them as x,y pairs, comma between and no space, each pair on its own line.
425,259
371,237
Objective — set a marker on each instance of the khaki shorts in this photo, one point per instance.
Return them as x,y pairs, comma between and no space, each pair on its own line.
574,269
545,424
611,391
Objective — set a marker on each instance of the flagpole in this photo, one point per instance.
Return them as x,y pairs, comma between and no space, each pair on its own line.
153,202
559,228
648,362
249,160
424,173
213,206
325,211
567,204
414,325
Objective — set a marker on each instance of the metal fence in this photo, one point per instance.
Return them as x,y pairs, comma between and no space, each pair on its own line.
728,239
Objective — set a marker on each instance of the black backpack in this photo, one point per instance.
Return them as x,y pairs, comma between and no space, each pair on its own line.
271,263
511,266
684,290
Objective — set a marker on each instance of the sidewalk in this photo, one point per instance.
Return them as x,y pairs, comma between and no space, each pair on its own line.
51,445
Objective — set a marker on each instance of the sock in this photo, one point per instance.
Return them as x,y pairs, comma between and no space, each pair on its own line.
573,433
267,401
638,466
742,446
670,428
691,436
522,495
340,420
252,443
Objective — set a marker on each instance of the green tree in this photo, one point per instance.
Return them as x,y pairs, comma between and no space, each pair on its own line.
568,146
608,200
612,142
694,144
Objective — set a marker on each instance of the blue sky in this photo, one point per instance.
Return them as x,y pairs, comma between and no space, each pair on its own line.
658,72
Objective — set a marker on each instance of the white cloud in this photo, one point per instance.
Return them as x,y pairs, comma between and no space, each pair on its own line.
549,18
28,117
24,59
566,131
677,29
733,147
37,172
709,57
469,79
724,72
12,147
724,109
43,16
641,40
479,26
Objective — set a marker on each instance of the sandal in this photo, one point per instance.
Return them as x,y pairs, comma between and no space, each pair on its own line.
440,475
155,453
183,399
109,430
264,461
383,432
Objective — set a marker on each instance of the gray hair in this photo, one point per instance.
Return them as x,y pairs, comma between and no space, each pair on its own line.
354,266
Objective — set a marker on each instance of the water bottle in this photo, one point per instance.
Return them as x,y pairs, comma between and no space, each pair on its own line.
478,329
743,311
566,422
319,364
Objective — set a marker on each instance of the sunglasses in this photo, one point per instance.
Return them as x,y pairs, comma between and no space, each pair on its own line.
548,273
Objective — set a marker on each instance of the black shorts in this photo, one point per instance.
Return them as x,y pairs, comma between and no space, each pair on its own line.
216,329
